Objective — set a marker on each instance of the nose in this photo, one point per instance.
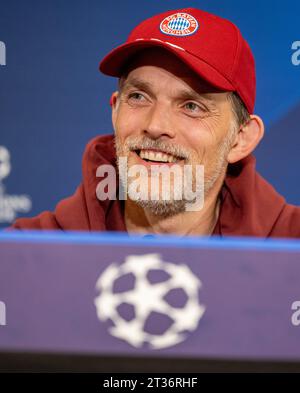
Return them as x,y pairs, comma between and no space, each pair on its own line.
159,122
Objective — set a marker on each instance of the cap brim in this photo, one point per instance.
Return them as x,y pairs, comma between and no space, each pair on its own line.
113,64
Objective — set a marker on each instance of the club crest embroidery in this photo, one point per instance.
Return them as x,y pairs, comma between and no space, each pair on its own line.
179,24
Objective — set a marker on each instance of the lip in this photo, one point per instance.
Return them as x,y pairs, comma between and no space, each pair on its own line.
149,164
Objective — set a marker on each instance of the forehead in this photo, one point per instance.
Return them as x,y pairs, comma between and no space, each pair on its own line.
159,59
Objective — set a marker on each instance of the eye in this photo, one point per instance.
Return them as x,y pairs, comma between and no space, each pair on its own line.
136,96
192,107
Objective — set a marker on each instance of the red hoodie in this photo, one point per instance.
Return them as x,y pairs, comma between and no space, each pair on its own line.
249,205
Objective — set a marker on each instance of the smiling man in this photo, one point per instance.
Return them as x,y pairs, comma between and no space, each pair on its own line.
185,100
163,107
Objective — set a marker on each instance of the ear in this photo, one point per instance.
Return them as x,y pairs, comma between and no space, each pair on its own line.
248,137
114,103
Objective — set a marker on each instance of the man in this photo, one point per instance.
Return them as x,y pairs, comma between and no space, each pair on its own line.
186,99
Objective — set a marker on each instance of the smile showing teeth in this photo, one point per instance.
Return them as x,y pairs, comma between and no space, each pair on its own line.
157,156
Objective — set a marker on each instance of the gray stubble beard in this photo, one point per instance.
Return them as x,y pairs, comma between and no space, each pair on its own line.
172,207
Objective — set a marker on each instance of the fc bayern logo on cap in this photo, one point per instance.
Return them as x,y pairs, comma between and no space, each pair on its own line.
179,24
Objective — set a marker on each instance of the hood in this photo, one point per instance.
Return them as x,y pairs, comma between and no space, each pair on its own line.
250,205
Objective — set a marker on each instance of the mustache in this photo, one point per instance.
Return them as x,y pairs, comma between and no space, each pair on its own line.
133,144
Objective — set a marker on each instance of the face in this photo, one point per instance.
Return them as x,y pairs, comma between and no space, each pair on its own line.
164,114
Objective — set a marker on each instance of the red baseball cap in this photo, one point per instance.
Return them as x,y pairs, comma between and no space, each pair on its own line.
211,46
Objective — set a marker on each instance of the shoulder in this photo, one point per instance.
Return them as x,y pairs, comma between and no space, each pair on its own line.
100,148
81,211
288,222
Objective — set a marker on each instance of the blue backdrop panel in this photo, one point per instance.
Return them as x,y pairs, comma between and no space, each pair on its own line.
53,99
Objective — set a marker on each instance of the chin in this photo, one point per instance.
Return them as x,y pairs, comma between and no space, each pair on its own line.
162,208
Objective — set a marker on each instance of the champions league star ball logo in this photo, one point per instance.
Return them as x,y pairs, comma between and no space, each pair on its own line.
147,299
10,205
180,24
4,163
2,54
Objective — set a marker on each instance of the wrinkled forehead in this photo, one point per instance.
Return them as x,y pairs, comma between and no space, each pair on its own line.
162,58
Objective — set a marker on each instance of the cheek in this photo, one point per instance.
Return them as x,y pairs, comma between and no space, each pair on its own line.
199,139
127,122
204,141
206,135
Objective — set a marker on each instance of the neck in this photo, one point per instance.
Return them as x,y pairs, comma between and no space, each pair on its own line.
202,222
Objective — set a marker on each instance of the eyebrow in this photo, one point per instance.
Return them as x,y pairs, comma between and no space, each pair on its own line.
136,82
184,94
